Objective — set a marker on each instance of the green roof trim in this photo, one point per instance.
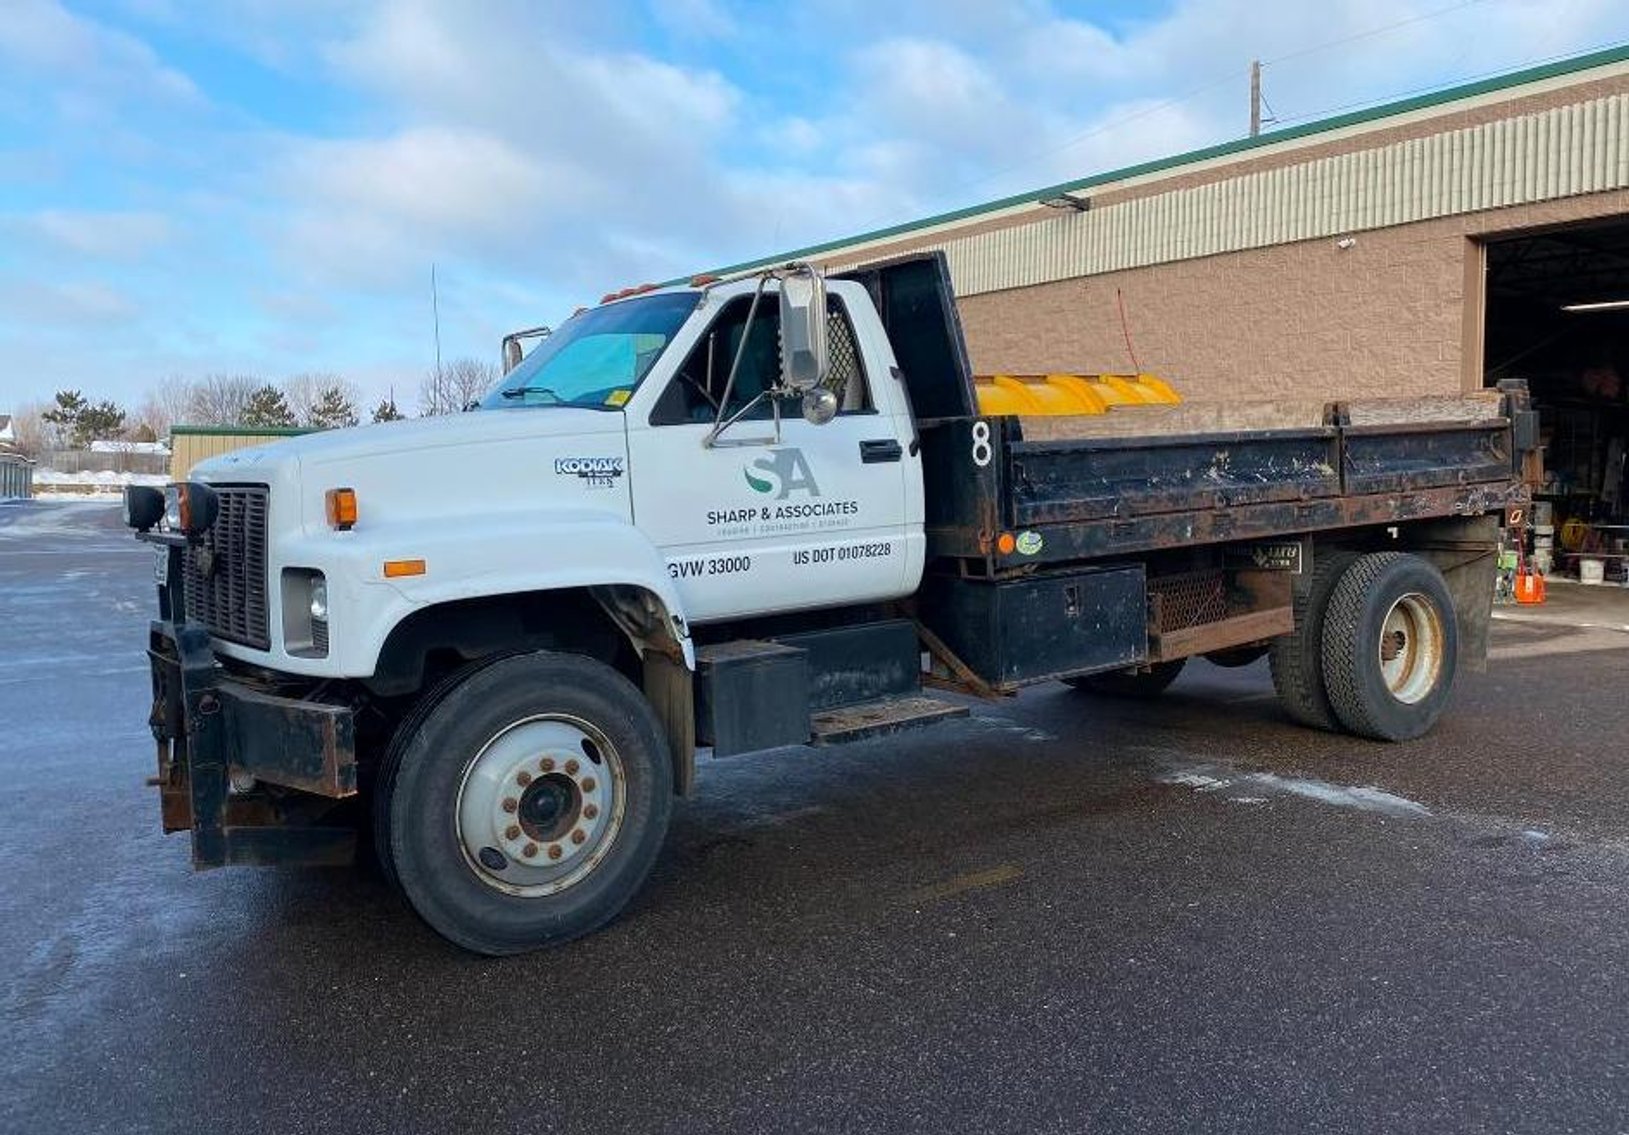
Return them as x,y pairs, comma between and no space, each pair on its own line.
1602,58
241,431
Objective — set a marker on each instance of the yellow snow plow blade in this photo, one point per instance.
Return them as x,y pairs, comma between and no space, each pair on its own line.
1069,393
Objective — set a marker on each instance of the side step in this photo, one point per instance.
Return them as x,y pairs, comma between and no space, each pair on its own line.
879,718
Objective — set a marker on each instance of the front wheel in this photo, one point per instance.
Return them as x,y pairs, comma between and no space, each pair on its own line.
1390,647
528,805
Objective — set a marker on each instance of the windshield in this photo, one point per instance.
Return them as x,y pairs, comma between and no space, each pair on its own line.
597,358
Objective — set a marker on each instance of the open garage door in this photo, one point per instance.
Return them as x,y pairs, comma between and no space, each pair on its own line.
1557,315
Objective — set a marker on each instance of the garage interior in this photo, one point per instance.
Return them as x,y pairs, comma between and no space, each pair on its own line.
1557,315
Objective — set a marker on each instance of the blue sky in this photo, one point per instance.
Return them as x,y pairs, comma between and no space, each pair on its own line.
261,186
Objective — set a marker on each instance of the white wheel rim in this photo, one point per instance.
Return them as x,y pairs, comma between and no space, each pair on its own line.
540,805
1410,648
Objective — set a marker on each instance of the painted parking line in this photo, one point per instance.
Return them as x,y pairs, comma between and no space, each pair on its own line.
961,884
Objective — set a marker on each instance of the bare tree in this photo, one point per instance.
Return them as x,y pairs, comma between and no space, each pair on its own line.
303,391
221,399
166,405
30,429
459,383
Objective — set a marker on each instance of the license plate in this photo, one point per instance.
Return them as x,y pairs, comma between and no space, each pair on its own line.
161,566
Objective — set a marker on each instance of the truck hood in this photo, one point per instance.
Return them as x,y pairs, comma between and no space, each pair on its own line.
413,471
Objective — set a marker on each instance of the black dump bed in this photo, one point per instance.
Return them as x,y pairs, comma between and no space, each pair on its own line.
1142,479
1151,479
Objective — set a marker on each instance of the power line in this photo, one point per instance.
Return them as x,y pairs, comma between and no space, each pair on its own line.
1326,112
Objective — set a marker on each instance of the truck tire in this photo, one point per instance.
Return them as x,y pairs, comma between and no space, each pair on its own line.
1390,647
1296,659
405,731
1147,683
529,803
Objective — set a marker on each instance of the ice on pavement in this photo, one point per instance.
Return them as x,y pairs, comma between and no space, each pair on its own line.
1252,786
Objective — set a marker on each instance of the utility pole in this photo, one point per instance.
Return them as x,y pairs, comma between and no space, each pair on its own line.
435,317
1255,97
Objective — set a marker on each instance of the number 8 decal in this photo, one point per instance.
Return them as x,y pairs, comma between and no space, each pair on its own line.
981,444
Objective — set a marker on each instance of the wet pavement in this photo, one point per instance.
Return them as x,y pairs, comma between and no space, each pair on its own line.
1064,914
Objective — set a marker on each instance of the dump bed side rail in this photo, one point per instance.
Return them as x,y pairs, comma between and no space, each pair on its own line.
1073,498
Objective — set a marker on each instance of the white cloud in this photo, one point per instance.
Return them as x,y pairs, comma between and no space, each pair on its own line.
43,36
99,235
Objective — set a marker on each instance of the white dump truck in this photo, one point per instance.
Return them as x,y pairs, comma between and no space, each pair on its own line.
739,515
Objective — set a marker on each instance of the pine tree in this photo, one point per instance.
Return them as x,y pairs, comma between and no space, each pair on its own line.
332,410
103,420
64,416
267,409
386,411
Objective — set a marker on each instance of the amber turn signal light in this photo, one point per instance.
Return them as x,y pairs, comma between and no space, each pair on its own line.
342,509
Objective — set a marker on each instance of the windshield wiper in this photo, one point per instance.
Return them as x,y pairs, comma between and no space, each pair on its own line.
523,391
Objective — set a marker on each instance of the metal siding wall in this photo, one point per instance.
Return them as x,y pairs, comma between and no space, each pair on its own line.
1562,152
186,450
16,477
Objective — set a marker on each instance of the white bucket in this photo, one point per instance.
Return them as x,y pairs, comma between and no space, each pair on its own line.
1591,571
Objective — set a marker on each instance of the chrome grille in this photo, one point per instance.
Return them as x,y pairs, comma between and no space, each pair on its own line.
226,573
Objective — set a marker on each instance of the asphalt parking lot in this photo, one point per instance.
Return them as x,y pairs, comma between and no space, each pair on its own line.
1062,915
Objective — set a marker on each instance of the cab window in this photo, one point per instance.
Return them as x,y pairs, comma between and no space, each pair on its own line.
698,386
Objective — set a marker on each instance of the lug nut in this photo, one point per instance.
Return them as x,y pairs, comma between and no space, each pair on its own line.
510,803
554,851
571,767
578,836
546,764
512,832
523,778
530,850
590,811
590,784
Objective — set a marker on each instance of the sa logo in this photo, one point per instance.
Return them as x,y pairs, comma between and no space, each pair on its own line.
783,472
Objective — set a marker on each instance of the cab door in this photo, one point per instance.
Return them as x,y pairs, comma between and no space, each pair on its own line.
752,526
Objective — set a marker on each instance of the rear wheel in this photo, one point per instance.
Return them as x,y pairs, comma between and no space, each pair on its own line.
1390,647
1296,659
1141,683
529,804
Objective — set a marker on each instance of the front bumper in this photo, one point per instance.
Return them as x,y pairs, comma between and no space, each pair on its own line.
211,730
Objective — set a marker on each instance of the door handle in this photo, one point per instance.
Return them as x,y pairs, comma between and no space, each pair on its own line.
879,450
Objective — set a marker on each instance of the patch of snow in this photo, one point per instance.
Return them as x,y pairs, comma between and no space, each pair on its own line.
1008,726
130,447
98,482
1197,781
1205,778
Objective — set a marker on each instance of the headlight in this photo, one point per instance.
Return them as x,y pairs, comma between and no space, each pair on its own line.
172,508
190,507
305,612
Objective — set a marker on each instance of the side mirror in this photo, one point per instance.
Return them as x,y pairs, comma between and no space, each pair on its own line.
513,351
804,360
